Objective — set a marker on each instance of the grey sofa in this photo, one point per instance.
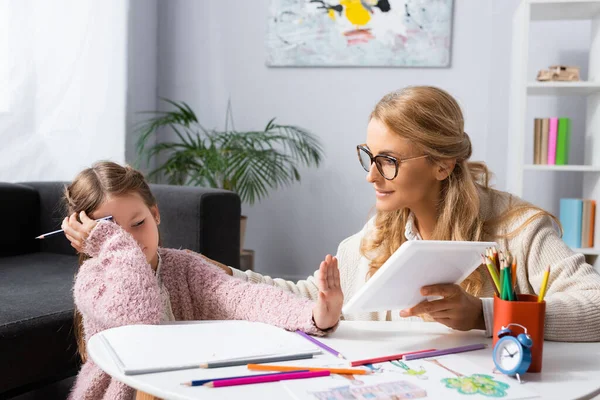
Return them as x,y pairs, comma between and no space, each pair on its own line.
37,345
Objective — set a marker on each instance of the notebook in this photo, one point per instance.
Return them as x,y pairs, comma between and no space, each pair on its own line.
140,349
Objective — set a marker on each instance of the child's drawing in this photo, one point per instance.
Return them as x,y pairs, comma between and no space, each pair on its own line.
419,374
473,384
398,390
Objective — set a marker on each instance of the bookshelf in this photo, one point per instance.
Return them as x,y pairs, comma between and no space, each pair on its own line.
523,85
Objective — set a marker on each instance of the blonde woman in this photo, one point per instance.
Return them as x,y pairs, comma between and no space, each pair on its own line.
417,158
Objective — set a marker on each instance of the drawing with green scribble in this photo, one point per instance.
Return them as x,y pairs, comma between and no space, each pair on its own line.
473,384
419,374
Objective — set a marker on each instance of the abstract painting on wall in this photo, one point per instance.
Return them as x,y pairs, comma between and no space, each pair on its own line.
402,33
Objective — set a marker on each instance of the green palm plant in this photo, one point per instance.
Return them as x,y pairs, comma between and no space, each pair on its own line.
249,163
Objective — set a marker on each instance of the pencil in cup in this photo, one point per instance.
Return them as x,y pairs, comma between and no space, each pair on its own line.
267,378
320,344
544,286
493,274
287,368
201,382
45,235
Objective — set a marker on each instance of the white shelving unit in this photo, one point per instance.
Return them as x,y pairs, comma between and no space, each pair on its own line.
522,86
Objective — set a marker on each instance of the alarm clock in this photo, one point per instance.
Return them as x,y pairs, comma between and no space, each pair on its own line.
512,355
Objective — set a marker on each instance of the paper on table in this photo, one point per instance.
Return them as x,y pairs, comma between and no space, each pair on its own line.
139,349
448,377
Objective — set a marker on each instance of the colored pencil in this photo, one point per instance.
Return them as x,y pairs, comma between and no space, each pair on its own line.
544,286
255,360
201,382
263,379
45,235
320,344
452,350
386,358
493,274
282,368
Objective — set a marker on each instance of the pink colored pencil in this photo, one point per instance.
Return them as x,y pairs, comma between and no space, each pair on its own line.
552,132
249,380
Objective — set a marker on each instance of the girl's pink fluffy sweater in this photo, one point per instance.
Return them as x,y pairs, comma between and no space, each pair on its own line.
118,287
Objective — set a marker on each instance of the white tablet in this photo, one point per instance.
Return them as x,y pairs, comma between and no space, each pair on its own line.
417,263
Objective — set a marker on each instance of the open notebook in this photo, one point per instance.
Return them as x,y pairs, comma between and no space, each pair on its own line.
140,349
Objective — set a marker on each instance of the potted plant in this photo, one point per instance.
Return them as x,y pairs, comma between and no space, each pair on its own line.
249,163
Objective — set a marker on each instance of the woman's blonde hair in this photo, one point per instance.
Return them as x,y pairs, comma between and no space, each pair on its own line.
433,122
87,192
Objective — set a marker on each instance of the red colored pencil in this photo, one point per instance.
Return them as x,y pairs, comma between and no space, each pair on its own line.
386,358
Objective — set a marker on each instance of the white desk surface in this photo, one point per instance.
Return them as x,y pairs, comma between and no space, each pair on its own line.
570,370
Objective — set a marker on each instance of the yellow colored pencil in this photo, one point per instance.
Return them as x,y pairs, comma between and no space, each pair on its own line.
493,274
285,368
544,285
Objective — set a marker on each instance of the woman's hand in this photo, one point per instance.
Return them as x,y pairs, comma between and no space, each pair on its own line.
328,309
77,232
458,309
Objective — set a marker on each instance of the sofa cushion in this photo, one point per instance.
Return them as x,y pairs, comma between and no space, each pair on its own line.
36,318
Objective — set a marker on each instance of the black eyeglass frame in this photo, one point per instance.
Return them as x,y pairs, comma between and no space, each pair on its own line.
397,161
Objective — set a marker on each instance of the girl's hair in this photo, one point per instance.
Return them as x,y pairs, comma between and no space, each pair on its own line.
90,188
432,121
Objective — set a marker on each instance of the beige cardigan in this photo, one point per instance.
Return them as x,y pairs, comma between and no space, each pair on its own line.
572,298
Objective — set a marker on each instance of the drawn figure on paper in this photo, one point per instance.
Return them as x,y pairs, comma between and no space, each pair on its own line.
353,379
419,374
398,390
474,384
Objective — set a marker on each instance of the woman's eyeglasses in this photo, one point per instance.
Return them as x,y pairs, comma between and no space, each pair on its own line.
386,165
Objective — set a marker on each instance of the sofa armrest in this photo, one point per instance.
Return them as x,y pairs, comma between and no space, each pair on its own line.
19,216
52,210
200,219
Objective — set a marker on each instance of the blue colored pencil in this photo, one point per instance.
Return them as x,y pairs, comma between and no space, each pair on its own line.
201,382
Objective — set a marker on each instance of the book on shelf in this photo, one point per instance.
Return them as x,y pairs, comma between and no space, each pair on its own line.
577,217
552,139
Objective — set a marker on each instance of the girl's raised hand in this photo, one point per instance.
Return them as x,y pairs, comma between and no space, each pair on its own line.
328,309
77,232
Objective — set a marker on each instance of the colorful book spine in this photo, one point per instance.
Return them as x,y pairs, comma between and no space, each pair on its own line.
537,140
571,211
562,141
592,223
544,148
585,223
552,132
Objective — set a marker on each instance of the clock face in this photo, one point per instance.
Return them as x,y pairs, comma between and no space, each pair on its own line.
508,354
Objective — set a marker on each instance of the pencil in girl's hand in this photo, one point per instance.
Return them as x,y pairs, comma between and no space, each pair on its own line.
320,344
45,235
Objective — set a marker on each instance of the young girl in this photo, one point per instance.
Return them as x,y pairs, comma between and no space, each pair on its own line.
417,160
126,278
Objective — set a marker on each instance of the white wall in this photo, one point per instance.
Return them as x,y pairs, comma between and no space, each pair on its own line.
214,49
68,87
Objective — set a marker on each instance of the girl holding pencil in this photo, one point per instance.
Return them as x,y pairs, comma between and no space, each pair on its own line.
417,158
126,278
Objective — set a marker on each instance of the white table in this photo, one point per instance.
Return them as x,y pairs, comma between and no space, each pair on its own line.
570,370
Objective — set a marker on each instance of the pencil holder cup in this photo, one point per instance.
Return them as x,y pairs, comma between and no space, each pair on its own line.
525,311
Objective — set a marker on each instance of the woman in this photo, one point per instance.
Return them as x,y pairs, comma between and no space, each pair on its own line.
417,158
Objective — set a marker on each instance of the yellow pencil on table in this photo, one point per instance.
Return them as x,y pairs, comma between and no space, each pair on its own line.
287,368
544,285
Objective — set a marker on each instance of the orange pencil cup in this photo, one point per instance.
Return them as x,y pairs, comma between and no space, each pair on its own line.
527,312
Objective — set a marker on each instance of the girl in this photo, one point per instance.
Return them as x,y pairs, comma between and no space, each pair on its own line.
417,158
126,278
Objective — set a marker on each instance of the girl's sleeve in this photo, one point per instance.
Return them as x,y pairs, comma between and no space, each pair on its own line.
219,296
117,285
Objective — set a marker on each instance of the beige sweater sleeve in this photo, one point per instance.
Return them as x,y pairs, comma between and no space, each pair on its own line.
306,288
573,294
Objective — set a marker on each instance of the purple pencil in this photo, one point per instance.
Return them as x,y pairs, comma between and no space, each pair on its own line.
443,352
321,345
